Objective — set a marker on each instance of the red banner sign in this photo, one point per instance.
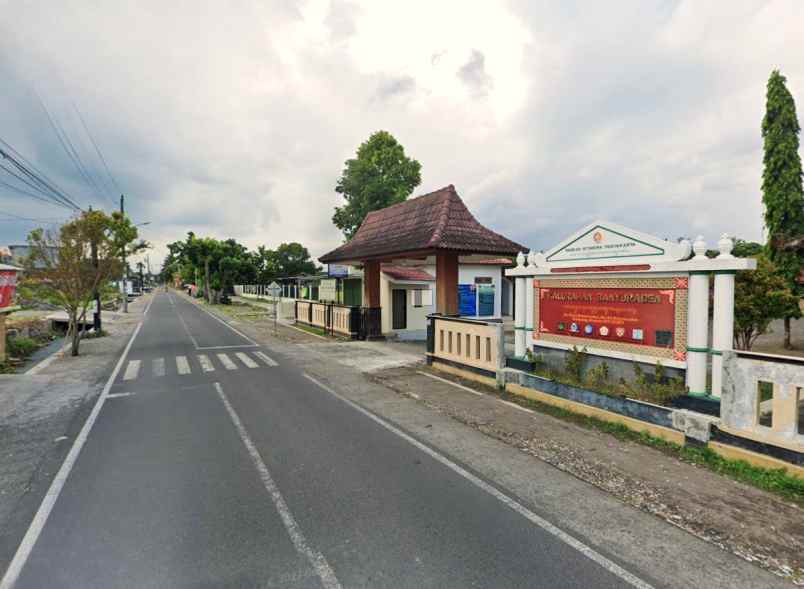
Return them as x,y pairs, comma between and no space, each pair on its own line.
643,316
8,285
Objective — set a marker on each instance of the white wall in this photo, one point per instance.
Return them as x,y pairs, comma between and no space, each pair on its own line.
468,272
416,316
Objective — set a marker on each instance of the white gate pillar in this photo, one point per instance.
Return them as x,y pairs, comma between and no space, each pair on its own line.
698,324
723,320
519,310
529,305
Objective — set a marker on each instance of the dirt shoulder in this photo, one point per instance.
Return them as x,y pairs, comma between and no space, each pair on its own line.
754,525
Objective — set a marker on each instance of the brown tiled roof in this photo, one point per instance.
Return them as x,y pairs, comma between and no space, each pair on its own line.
407,273
494,262
435,221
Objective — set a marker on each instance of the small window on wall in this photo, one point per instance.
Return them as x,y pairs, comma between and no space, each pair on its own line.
421,298
765,403
416,295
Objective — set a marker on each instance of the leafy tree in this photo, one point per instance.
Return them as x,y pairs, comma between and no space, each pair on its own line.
293,259
381,175
60,266
760,296
782,192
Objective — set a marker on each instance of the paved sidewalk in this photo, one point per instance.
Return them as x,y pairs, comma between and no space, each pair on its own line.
39,416
738,519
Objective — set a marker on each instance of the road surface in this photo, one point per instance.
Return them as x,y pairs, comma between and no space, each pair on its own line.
211,461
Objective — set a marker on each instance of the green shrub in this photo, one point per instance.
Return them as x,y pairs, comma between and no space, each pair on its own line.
21,346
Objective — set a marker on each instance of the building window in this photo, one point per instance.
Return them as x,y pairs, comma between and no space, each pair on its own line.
417,297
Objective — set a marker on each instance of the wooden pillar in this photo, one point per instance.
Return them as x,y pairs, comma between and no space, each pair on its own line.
447,283
371,284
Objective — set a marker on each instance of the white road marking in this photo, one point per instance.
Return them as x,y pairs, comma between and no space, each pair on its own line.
227,362
317,560
186,329
115,395
40,519
49,360
515,406
240,346
265,358
132,370
206,365
148,308
455,384
182,365
513,504
237,331
246,360
158,366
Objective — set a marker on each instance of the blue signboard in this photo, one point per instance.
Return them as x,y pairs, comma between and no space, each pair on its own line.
466,299
336,271
485,300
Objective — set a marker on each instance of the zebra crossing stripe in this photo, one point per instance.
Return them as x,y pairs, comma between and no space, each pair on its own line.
182,366
265,358
132,370
227,362
206,365
246,360
159,366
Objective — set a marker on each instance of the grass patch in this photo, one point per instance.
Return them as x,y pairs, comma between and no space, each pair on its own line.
313,330
773,480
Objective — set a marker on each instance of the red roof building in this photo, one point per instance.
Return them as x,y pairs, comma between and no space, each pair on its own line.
436,225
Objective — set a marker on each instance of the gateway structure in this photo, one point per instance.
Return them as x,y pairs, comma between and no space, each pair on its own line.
629,297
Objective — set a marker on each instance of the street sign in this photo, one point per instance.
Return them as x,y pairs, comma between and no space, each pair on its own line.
274,289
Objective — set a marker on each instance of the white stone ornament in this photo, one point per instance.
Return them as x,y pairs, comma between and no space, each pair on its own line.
520,260
725,245
687,245
539,259
699,247
532,258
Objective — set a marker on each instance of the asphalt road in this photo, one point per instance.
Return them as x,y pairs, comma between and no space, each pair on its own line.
214,462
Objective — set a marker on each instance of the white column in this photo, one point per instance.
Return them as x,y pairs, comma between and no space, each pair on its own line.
519,310
698,324
529,304
723,320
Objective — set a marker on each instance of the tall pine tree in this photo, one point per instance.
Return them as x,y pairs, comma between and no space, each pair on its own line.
782,192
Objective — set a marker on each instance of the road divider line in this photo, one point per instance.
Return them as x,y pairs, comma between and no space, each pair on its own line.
158,367
246,360
116,395
148,306
206,365
227,362
132,370
40,519
317,560
182,365
508,501
266,358
186,329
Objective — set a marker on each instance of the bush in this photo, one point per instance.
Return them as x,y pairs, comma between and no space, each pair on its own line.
21,346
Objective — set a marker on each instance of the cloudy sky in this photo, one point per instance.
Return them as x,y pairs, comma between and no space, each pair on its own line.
234,120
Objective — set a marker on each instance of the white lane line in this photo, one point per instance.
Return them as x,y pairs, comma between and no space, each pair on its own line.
573,542
186,329
132,370
206,365
265,358
116,395
40,519
317,560
455,384
227,362
515,406
237,331
182,365
158,367
241,346
246,360
148,308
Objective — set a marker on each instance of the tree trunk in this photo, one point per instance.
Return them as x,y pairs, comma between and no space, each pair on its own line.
206,282
787,344
76,336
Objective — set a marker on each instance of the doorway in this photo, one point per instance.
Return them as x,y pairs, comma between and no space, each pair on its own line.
399,311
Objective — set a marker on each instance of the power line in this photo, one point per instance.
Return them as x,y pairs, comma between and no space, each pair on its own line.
45,185
33,195
97,150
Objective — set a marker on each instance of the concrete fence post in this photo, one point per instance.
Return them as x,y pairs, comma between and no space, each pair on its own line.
519,317
698,324
499,334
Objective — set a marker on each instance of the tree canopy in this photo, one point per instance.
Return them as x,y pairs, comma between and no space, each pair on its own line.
782,192
381,175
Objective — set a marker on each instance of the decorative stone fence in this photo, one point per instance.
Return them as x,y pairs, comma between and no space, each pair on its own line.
330,317
762,407
467,344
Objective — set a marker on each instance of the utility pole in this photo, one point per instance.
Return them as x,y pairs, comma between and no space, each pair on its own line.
125,267
96,317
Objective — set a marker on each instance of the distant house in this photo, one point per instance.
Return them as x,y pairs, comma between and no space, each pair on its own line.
18,255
